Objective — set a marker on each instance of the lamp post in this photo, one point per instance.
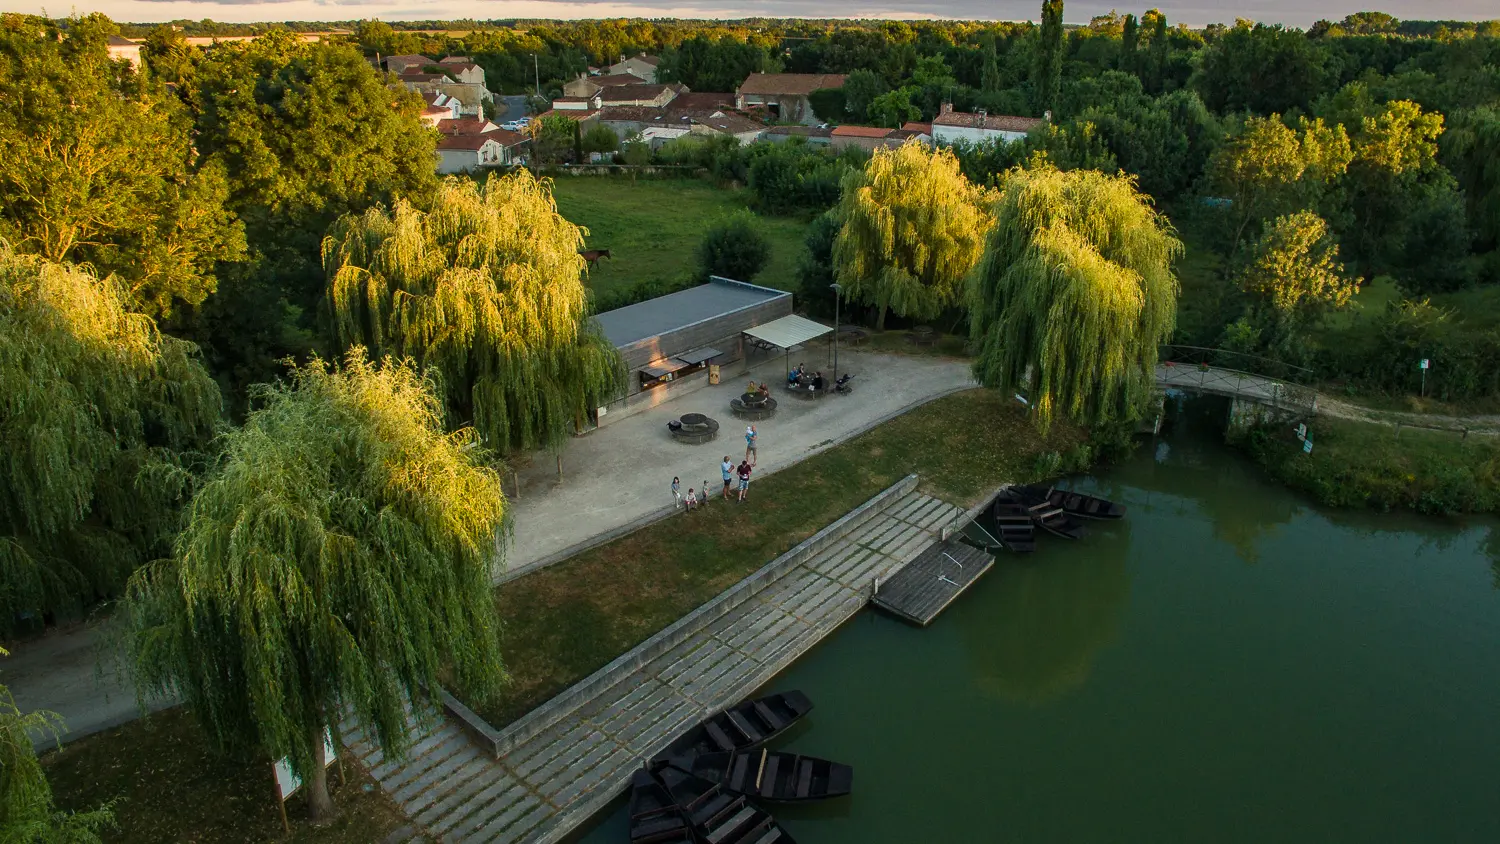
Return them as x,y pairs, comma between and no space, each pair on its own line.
837,289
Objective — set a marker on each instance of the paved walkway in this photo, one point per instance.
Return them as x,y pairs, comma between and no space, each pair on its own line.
622,473
558,778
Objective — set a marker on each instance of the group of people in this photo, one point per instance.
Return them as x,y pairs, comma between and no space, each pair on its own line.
797,377
699,497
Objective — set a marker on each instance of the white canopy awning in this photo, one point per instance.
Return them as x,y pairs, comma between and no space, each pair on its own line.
789,331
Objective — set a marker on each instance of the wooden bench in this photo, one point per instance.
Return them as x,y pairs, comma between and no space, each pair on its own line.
718,736
804,777
768,777
769,717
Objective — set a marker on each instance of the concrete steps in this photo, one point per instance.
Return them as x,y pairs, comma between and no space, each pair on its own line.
553,780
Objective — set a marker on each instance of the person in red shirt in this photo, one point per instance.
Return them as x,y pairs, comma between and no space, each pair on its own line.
744,473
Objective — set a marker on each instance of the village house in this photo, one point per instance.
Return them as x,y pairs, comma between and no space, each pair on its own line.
401,64
463,69
651,96
439,107
464,153
587,86
783,96
123,49
641,66
687,113
979,127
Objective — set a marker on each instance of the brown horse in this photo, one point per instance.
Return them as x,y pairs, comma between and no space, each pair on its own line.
593,256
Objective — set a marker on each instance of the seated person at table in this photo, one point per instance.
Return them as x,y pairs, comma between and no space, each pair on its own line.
765,391
791,377
817,383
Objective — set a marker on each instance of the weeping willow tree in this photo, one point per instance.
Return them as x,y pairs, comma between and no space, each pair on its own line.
98,413
913,227
335,560
487,289
1074,294
27,815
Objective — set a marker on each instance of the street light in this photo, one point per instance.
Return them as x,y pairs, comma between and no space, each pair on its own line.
837,289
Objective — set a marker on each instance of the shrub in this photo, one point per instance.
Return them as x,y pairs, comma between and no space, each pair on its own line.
734,248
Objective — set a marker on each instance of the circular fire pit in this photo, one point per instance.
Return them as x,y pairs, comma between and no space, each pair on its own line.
693,429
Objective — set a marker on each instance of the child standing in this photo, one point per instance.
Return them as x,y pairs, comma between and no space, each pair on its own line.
676,492
727,470
751,439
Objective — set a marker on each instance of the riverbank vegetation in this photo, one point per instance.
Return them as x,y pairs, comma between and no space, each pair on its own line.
1358,464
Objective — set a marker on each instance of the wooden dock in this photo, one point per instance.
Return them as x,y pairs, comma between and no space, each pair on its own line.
928,584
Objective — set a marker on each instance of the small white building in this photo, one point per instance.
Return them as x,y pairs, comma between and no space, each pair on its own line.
123,49
463,69
440,107
641,66
979,127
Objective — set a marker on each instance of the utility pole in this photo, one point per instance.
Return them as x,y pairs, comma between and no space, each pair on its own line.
537,68
837,290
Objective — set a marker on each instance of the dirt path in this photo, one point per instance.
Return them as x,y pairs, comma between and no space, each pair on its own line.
1487,425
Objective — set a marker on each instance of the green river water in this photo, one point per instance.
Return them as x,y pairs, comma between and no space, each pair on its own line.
1227,664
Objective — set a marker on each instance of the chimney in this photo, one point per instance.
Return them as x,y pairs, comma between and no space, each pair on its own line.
945,108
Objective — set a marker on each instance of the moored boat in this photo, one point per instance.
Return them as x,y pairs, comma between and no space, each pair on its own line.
1012,525
1046,515
1080,505
654,816
718,815
744,726
768,775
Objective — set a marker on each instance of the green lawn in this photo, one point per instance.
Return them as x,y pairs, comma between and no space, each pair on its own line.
652,228
566,621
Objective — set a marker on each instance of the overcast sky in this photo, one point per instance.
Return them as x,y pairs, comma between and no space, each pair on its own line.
1195,12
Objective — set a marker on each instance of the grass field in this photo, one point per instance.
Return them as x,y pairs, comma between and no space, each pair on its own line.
652,228
564,622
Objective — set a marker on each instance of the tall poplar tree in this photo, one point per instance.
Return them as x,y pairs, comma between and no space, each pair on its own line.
487,289
336,559
1074,294
1049,60
98,412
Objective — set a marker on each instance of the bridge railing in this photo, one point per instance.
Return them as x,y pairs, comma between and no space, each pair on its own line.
1208,373
1180,355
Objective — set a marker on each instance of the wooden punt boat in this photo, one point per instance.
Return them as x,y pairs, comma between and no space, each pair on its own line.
775,776
1046,515
744,726
1081,506
1013,525
654,816
717,815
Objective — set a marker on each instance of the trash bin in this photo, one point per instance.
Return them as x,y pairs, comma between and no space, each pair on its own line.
713,373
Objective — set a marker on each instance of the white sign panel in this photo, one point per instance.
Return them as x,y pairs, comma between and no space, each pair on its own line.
1302,432
1425,363
288,782
1307,446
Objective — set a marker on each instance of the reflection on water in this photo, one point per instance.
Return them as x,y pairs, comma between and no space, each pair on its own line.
1044,625
1229,664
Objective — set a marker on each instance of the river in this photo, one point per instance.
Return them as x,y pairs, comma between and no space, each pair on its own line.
1227,664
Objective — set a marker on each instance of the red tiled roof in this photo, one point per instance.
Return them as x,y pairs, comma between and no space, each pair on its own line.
992,122
424,77
459,67
408,59
456,60
627,93
613,79
464,125
469,142
914,126
860,132
703,100
434,109
790,84
506,138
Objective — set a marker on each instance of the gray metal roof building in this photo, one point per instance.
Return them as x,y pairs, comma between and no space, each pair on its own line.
719,298
669,343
